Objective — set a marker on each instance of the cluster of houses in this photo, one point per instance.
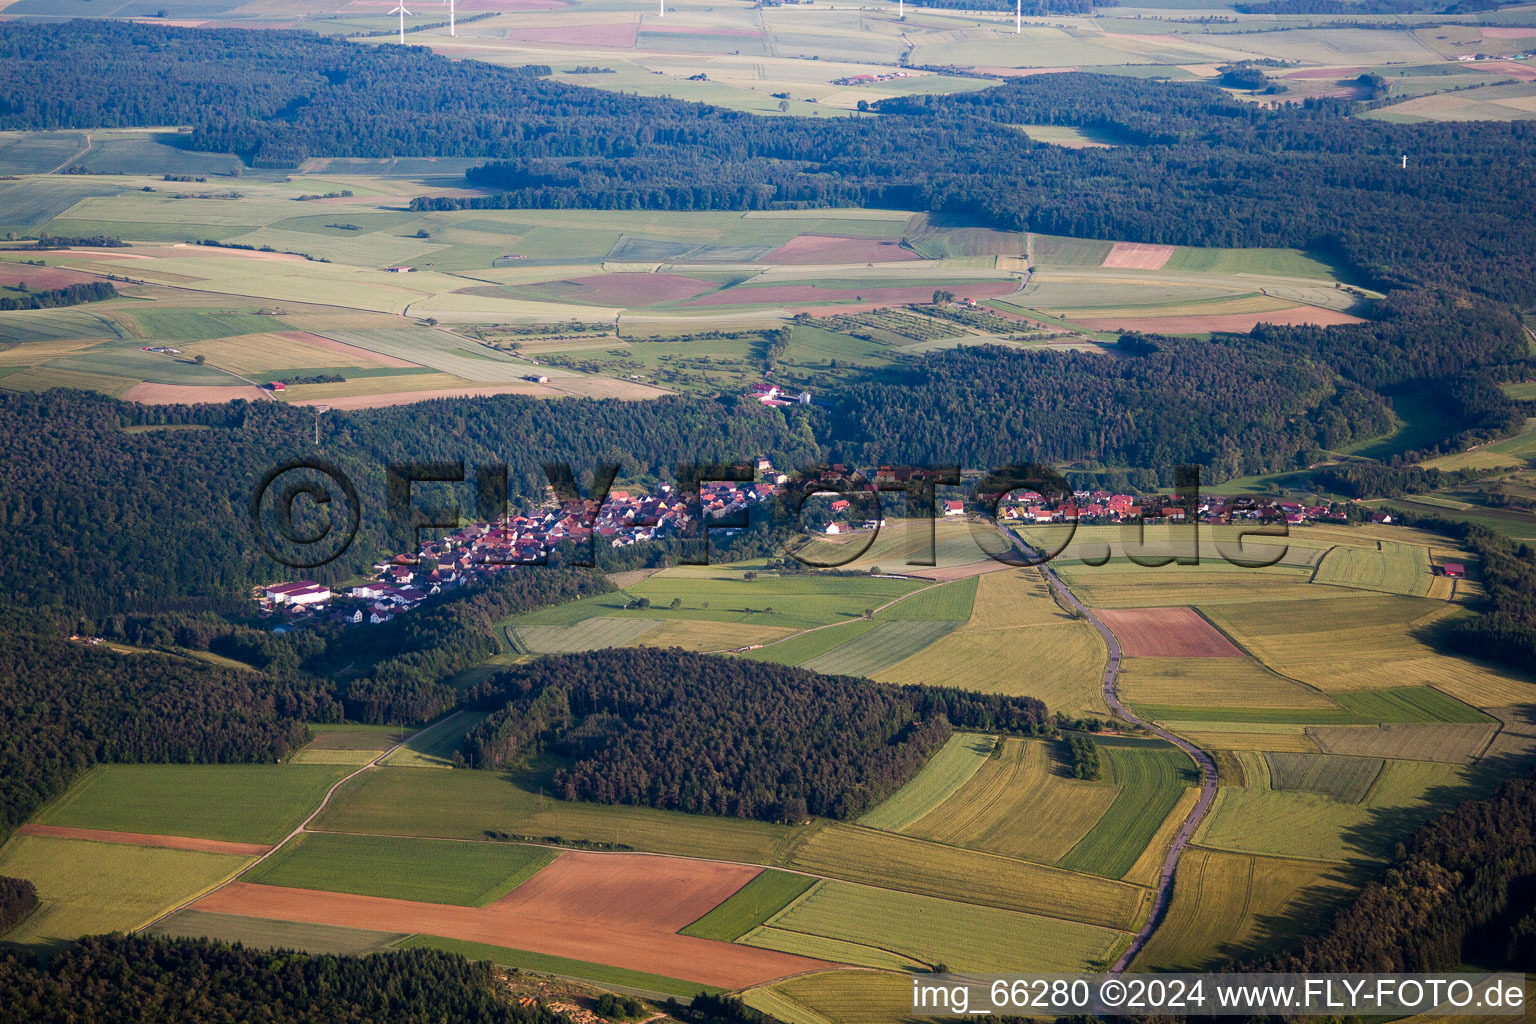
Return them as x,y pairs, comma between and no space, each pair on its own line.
475,551
1104,507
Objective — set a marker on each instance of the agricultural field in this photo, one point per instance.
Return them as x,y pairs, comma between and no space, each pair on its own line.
860,925
348,743
606,975
1231,906
86,888
1021,804
751,905
435,746
946,772
848,997
263,934
424,870
1392,568
1151,776
239,803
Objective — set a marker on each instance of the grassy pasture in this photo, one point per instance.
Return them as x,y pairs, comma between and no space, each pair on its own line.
1451,743
564,967
86,888
1022,804
1253,819
799,649
886,644
1352,707
874,923
1151,776
751,905
425,870
465,805
1393,569
28,326
946,772
837,997
252,803
908,864
259,933
588,635
692,635
1346,779
434,747
946,601
193,323
1229,905
1209,682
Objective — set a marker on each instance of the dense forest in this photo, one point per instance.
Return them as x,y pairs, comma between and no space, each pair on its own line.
142,980
1464,891
725,736
65,707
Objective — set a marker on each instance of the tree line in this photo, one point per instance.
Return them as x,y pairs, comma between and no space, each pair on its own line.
53,298
723,736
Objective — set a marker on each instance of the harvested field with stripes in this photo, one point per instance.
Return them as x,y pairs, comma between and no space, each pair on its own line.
1167,633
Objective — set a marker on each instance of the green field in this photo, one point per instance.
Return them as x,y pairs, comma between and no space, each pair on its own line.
844,997
946,771
802,648
1022,804
259,933
908,864
947,601
86,888
883,929
1352,707
751,905
425,870
1394,569
468,804
886,644
1346,779
237,802
434,747
544,963
1152,776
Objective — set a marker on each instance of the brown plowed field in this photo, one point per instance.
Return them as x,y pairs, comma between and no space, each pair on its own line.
832,249
619,909
1136,256
42,278
192,394
144,839
1166,633
1240,323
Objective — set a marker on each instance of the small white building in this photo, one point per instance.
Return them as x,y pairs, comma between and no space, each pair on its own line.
305,592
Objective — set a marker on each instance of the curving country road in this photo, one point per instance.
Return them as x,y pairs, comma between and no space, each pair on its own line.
1201,758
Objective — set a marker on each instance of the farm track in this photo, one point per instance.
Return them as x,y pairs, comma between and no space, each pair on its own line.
1201,758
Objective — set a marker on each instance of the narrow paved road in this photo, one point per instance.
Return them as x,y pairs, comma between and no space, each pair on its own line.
1206,764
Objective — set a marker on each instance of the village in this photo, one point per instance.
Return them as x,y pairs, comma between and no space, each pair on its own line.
475,551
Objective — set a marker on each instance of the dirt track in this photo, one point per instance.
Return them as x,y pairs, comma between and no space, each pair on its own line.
1166,633
144,839
620,909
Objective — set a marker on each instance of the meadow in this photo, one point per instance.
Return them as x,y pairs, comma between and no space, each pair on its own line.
1151,777
241,803
1234,906
751,905
955,763
424,870
260,933
1021,804
87,888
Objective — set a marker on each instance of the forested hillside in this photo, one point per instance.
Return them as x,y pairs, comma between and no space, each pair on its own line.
68,460
140,980
727,736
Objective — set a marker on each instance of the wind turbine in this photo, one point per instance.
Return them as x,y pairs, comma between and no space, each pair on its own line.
451,29
662,4
1018,17
402,12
